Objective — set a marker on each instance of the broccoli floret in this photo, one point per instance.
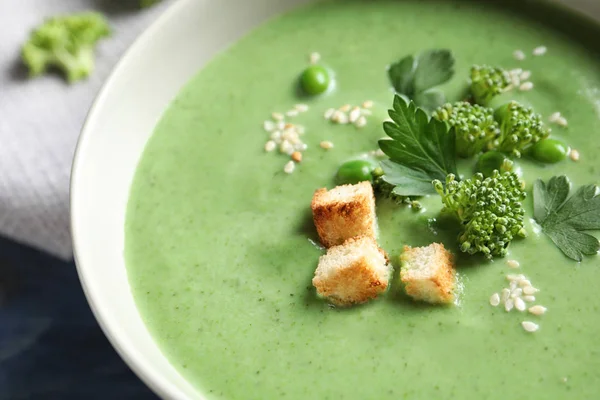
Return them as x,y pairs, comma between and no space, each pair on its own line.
488,82
474,125
489,210
520,127
66,42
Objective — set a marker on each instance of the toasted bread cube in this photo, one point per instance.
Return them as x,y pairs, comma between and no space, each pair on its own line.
352,273
428,273
344,212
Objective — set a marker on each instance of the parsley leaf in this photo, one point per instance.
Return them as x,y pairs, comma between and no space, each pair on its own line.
565,220
414,77
420,150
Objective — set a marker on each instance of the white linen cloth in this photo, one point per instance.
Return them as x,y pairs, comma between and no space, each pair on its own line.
40,119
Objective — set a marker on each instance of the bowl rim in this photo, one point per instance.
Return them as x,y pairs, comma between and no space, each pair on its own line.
151,378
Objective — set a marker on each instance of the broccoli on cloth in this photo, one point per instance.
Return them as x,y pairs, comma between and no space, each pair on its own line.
489,210
65,42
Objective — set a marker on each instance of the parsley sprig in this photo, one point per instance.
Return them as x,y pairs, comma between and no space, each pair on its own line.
416,76
565,219
420,150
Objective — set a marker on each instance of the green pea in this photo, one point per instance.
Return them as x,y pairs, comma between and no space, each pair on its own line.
315,80
355,171
493,160
549,151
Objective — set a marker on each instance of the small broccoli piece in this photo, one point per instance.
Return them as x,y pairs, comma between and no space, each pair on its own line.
520,127
474,125
489,210
66,42
385,189
488,82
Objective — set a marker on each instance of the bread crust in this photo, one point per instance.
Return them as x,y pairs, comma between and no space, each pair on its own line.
338,220
356,283
437,288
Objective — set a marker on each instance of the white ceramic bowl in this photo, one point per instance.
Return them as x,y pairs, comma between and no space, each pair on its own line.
161,61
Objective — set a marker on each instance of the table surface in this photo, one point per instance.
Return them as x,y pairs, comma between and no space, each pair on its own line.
51,347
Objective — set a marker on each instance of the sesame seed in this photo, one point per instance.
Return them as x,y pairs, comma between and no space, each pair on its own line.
301,108
345,108
269,126
326,144
276,136
525,75
513,264
270,146
286,147
525,87
300,146
524,283
354,114
314,57
342,118
509,304
529,299
362,121
367,104
519,55
289,167
537,310
366,111
554,117
513,285
292,113
513,277
297,156
505,295
520,304
495,299
540,51
516,293
530,290
277,116
562,121
329,113
530,326
574,155
282,125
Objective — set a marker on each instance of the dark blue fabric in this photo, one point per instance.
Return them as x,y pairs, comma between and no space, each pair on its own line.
51,347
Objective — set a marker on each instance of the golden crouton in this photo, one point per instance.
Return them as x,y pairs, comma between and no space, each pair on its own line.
428,273
344,212
353,272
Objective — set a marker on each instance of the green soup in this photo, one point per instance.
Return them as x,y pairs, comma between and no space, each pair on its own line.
219,240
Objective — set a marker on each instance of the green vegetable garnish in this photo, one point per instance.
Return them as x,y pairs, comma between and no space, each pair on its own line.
416,76
520,127
565,220
488,82
549,151
315,80
474,125
489,210
420,150
66,42
493,160
355,171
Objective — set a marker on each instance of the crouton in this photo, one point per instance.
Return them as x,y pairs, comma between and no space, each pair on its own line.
352,273
428,273
344,212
